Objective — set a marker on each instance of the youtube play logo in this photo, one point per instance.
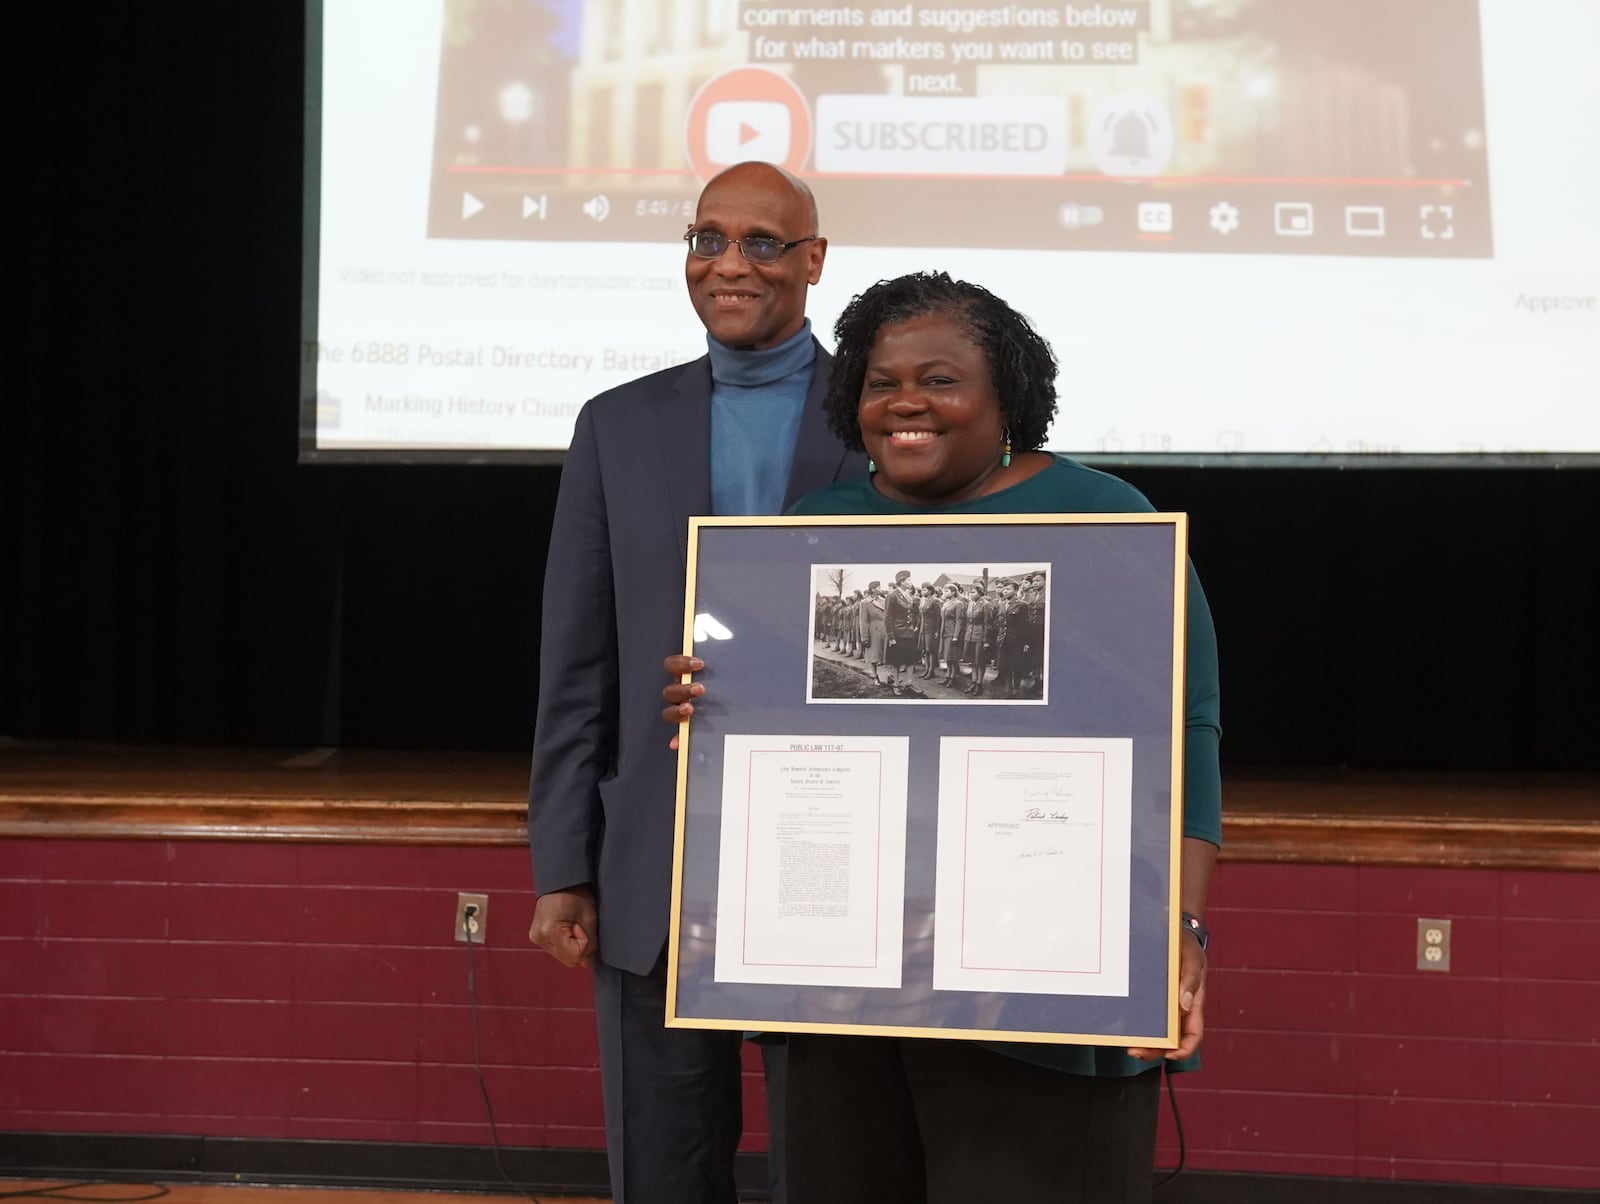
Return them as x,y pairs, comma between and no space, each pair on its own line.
745,114
740,130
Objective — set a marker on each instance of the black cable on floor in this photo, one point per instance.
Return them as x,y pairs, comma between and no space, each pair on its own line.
473,928
63,1191
1172,1098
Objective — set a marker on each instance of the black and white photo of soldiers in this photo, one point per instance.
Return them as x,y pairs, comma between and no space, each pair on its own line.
953,634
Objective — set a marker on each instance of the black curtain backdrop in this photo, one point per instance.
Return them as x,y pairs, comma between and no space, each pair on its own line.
168,573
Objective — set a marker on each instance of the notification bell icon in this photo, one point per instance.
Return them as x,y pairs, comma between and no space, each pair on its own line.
1130,136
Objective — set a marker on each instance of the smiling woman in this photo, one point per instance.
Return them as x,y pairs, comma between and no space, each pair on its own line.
928,412
951,391
941,382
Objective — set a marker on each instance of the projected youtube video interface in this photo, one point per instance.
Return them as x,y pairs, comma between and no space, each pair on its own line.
1191,126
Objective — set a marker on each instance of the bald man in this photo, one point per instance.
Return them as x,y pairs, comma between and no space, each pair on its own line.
738,431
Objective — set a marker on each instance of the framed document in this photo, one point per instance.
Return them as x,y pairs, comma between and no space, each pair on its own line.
934,787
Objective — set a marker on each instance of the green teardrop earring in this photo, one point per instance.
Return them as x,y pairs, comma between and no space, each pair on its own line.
871,467
1005,452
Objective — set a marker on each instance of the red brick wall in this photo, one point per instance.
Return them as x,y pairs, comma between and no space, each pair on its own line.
1329,1053
315,991
282,990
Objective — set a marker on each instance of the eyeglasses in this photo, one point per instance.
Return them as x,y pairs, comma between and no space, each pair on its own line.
757,248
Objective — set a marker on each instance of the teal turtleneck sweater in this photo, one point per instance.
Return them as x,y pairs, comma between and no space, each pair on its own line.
756,400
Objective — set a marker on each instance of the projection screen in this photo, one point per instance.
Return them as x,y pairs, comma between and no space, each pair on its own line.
1252,229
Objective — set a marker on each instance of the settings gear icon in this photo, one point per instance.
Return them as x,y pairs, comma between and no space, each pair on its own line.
1224,218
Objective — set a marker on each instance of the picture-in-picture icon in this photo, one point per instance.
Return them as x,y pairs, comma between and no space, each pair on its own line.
1293,219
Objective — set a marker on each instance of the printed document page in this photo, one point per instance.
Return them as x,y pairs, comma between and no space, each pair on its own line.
811,878
1033,865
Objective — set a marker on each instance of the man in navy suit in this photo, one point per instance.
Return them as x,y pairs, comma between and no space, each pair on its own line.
738,431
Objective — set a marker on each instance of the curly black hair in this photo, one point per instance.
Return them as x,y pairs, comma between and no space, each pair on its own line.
1021,365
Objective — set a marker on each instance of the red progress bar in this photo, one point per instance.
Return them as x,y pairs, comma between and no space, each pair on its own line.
1074,177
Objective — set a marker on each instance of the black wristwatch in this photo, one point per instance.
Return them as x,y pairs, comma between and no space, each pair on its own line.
1197,926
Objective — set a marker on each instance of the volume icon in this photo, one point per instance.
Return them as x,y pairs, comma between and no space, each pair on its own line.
598,207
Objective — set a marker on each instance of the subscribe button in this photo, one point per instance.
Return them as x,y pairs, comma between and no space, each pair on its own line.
942,135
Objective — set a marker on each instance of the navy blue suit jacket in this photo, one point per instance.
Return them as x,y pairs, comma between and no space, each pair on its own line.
602,796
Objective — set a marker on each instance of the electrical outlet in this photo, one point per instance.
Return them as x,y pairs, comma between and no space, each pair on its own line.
1433,944
475,927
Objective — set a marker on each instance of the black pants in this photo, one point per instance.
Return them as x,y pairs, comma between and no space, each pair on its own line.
673,1116
890,1120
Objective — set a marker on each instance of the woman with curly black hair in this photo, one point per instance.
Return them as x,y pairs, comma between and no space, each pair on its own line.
951,393
1020,366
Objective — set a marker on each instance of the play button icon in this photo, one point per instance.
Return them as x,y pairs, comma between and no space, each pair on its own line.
470,205
737,130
